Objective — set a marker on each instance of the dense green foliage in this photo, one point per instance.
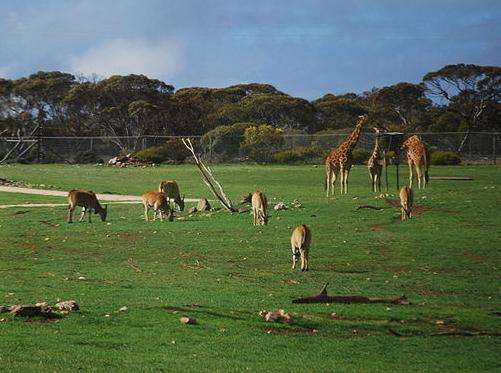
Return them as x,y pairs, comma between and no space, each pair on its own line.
221,270
300,154
172,150
466,98
446,158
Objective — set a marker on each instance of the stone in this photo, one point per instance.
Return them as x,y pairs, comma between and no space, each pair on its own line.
246,198
276,316
29,310
280,206
188,320
203,205
67,305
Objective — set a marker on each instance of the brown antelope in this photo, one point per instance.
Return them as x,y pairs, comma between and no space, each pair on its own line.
88,201
171,191
259,205
406,201
300,245
158,201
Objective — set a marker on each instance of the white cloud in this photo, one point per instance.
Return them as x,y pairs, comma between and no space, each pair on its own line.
122,57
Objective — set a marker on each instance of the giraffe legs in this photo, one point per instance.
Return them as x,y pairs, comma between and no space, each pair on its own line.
411,173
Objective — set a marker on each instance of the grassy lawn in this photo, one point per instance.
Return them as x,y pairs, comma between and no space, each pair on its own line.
219,269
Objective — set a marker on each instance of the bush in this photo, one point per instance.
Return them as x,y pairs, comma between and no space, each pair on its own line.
360,156
261,142
446,158
87,157
299,154
172,150
223,142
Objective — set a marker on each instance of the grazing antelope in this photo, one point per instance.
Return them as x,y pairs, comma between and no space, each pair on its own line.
406,201
259,205
88,201
300,245
158,201
171,191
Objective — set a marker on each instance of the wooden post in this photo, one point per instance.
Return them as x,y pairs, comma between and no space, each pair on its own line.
494,148
385,165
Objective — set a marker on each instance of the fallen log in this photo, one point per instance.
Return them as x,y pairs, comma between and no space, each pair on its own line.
460,333
456,178
369,207
348,299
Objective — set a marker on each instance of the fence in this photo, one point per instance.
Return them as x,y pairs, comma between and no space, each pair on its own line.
477,146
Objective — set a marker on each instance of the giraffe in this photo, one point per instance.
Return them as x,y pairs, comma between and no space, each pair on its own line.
375,165
417,158
339,160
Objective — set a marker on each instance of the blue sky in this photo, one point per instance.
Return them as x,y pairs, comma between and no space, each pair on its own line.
305,48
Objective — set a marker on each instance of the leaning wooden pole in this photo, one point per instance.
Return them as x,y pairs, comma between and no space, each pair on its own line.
209,179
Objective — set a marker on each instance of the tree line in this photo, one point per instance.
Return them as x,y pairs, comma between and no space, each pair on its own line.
454,98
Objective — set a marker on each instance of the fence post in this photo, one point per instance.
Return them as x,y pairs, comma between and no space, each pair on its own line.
494,148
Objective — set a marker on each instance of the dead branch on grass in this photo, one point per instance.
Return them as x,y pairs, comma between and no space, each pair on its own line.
349,299
209,179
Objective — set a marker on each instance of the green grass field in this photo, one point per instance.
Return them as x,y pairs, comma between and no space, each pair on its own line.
219,269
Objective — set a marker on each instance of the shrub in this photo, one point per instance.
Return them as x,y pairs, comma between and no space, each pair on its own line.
445,158
261,142
87,157
172,150
360,156
223,142
299,154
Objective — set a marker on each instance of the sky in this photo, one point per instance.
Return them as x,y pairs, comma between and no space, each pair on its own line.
305,48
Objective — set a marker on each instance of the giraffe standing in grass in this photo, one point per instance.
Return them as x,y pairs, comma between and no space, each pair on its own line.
417,159
339,160
375,165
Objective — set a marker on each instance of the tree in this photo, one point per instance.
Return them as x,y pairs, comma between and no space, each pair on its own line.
261,142
473,91
121,107
338,111
403,102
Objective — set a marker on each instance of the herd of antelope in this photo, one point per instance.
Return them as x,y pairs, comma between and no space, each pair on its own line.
338,162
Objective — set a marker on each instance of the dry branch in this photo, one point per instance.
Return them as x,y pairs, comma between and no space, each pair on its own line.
324,298
461,333
209,179
369,207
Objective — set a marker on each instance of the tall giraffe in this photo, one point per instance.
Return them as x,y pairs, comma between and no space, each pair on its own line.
417,158
375,165
339,160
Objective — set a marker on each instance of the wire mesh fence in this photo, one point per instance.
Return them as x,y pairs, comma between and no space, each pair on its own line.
477,146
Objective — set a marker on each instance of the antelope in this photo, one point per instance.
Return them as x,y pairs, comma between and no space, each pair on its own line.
88,201
406,200
259,205
300,245
158,201
171,191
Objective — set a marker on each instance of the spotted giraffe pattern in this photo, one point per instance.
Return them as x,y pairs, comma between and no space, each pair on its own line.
340,159
417,159
375,165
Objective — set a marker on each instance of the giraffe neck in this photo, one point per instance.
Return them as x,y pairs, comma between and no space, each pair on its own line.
352,140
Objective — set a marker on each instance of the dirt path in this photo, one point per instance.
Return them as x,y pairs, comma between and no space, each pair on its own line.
119,198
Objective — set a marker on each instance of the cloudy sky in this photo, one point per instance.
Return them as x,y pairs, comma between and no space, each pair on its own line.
305,48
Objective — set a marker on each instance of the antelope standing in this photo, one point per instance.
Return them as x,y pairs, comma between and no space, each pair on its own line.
406,201
171,191
158,201
259,205
88,201
300,245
